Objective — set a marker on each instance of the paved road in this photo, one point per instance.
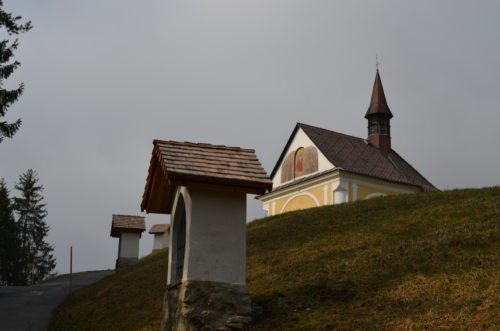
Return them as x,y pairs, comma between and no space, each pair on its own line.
29,308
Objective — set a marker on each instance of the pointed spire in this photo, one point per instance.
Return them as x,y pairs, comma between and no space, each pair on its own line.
378,103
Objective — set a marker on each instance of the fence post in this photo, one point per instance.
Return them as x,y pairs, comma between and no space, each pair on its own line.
70,268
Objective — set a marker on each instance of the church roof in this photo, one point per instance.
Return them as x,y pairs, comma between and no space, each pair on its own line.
127,223
378,103
192,164
355,155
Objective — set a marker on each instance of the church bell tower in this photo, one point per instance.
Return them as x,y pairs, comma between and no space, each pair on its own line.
379,118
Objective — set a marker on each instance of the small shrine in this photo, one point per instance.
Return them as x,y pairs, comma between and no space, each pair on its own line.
161,234
128,230
203,187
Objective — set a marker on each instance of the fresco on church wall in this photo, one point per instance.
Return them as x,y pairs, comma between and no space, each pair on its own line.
287,168
300,162
300,169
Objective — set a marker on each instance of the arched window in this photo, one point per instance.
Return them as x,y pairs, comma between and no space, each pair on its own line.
179,241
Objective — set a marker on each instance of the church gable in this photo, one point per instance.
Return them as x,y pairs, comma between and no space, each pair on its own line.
300,158
321,167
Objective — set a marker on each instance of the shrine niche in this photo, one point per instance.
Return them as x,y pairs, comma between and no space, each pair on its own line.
298,163
128,230
203,187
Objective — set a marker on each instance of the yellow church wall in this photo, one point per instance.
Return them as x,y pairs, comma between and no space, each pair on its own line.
319,193
306,198
367,186
363,192
308,195
300,202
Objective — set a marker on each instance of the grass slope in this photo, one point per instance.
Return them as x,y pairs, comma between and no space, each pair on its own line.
423,261
127,300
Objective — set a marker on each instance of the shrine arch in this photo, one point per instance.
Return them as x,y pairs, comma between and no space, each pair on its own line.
178,241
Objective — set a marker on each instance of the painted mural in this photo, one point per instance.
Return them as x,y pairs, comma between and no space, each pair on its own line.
298,163
287,168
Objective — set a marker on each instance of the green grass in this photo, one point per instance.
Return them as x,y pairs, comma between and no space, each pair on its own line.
422,261
126,300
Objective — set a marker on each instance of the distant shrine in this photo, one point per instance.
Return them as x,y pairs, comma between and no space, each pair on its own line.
320,167
161,234
128,229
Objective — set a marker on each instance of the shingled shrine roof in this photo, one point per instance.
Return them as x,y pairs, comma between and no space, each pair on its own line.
355,155
159,228
127,223
202,165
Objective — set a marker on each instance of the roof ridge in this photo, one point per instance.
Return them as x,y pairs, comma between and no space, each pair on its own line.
343,134
204,145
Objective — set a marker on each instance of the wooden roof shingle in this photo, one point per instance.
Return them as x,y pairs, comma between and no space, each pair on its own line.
176,163
127,223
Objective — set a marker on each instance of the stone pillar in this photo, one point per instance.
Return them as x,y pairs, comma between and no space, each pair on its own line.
125,262
203,305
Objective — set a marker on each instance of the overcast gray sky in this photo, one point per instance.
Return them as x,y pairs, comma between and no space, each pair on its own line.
104,78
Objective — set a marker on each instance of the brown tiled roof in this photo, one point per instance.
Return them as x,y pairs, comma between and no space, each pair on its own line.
378,103
127,223
356,156
184,163
159,228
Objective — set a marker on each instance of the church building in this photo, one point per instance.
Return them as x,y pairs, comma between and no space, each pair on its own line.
321,167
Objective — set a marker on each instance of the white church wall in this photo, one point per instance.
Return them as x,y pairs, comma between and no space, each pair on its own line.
302,140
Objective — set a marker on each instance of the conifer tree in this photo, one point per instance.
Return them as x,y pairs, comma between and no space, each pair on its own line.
37,258
7,67
10,245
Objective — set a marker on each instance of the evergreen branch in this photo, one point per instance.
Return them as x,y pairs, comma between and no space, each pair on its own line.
7,130
6,51
8,97
11,23
7,70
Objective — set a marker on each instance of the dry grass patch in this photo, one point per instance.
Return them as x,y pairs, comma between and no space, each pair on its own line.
424,261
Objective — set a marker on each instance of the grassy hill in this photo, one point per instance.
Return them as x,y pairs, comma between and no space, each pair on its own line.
423,261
